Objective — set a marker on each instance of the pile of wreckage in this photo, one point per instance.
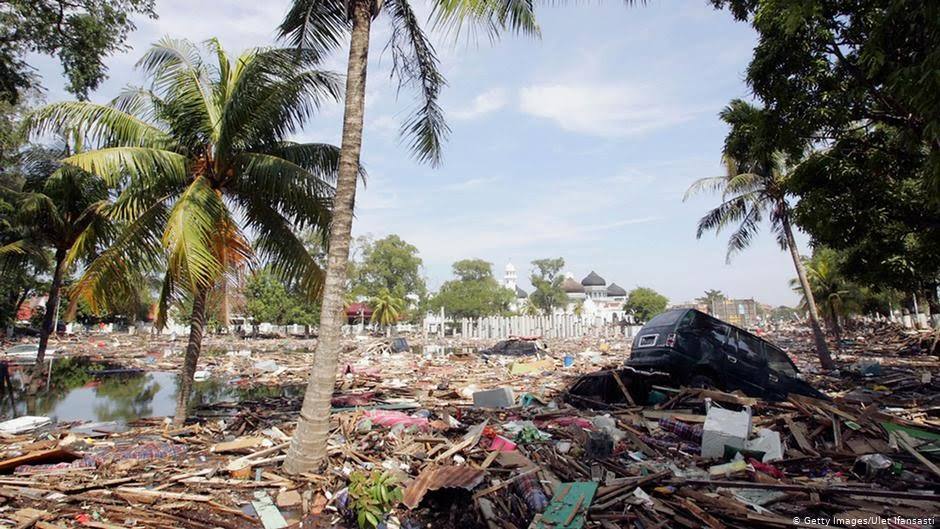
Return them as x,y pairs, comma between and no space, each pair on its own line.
487,440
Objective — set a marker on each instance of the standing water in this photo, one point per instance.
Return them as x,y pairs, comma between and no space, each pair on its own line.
83,390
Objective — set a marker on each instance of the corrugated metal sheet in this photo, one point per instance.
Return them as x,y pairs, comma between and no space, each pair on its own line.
442,477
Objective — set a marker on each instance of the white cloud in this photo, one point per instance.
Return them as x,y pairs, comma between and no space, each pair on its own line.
608,110
471,183
485,103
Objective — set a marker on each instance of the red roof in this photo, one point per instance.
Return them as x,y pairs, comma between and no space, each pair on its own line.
355,308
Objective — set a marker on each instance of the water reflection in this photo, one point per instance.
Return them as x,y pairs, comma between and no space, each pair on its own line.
82,390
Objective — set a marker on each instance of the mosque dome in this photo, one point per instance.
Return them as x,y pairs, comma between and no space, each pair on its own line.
571,286
593,280
615,291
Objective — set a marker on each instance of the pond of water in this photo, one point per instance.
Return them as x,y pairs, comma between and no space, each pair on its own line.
81,390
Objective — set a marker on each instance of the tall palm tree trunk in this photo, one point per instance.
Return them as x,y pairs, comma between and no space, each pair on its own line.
308,446
822,350
197,326
52,305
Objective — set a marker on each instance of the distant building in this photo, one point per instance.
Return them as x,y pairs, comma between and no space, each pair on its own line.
597,299
741,312
509,281
592,296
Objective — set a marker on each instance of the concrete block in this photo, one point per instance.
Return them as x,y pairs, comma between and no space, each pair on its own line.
494,398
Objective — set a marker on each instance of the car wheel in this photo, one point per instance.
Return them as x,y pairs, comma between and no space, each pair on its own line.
702,382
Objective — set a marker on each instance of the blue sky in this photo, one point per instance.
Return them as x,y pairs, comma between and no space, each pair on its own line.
579,144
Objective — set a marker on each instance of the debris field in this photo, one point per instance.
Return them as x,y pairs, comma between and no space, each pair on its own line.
454,437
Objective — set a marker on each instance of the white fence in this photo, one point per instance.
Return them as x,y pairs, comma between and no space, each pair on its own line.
502,327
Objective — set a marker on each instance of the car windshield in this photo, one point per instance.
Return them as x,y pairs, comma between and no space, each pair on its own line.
666,319
779,361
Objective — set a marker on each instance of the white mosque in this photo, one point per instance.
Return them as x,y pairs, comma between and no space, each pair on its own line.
592,297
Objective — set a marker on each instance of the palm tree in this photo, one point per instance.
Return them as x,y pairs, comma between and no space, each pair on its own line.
711,297
60,208
319,26
755,186
202,161
386,308
833,292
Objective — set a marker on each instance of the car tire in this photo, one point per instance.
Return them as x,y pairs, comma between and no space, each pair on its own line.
702,382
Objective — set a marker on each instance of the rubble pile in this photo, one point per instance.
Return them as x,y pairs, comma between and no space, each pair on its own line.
456,438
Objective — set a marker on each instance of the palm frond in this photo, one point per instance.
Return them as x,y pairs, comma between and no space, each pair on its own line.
145,164
745,232
271,98
298,194
705,185
133,252
317,25
277,244
493,16
415,64
100,123
179,75
193,222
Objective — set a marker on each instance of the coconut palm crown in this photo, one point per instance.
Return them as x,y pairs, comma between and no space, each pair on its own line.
203,164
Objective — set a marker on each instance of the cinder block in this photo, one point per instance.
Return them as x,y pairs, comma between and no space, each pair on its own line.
494,398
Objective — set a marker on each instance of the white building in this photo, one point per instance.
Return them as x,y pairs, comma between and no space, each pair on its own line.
592,297
597,299
509,281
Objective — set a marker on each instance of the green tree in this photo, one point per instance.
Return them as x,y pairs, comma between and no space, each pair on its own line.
756,185
266,298
474,293
546,278
19,277
864,200
202,159
387,308
62,209
320,26
644,303
80,32
389,263
831,70
269,299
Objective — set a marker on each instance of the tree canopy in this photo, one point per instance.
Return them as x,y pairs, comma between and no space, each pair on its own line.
547,279
79,32
389,263
473,293
831,69
269,299
644,303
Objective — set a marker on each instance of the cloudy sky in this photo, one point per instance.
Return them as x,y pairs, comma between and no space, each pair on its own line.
579,144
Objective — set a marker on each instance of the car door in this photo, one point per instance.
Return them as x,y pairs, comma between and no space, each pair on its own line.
745,363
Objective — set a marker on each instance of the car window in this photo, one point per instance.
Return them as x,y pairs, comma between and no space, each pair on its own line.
667,318
779,361
750,347
686,323
719,331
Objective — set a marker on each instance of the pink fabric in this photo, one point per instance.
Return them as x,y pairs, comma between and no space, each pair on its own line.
392,417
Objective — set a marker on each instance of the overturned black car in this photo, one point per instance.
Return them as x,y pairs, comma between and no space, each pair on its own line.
698,350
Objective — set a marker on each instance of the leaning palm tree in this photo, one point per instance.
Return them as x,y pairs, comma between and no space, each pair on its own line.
386,309
318,26
60,208
202,160
833,292
756,185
